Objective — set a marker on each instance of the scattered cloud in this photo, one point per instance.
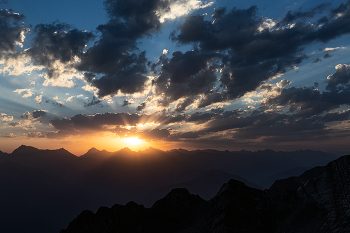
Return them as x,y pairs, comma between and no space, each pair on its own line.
332,49
26,92
128,102
4,117
8,135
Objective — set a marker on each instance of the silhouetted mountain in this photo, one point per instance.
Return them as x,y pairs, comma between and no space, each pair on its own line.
236,208
205,185
3,156
332,190
97,154
268,181
101,178
294,183
255,166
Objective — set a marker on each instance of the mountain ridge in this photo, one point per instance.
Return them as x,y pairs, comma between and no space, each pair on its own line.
123,176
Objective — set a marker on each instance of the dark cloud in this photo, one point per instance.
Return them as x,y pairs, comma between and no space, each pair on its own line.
306,101
14,124
95,122
11,31
115,60
82,124
186,75
337,116
340,77
134,19
262,127
54,103
303,15
94,101
235,28
38,113
141,106
327,55
56,43
127,102
343,7
121,69
9,135
317,60
183,105
154,134
253,54
35,135
333,28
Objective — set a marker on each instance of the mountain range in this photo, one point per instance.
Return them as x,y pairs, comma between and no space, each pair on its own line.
316,201
46,189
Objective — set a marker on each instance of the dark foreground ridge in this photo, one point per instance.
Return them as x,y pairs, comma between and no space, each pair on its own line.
320,204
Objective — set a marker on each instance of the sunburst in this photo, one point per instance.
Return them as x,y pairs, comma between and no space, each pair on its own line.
133,141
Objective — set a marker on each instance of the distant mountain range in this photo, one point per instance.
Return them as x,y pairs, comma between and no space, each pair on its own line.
43,190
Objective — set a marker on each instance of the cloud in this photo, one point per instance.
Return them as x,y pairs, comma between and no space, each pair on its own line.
332,49
69,99
317,60
180,8
29,120
327,55
252,55
118,123
94,101
303,15
340,77
114,63
39,99
9,135
185,75
38,113
58,49
12,33
4,117
26,92
35,135
14,124
141,106
308,101
127,102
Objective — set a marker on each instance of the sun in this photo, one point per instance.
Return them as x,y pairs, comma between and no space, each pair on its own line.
133,141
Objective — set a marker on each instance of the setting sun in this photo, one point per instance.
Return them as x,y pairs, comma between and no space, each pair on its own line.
133,141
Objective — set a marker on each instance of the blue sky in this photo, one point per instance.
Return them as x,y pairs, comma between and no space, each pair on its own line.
192,74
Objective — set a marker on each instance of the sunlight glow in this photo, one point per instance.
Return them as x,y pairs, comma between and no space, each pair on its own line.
133,141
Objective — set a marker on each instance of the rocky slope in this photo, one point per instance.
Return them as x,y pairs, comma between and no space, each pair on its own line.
236,208
332,190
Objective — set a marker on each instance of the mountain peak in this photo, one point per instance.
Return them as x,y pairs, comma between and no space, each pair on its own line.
93,150
25,149
125,150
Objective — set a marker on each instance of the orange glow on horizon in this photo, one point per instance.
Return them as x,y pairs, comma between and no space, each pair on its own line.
133,141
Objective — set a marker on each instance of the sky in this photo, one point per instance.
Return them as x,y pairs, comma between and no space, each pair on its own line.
226,75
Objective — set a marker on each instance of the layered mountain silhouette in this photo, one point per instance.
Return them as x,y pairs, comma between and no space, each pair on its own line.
43,190
319,204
